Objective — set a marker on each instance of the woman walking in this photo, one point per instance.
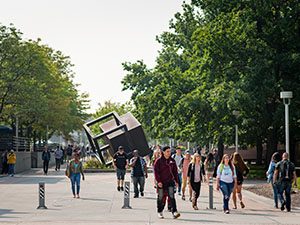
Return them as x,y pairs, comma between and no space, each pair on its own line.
74,170
226,180
241,171
270,173
209,166
185,167
196,175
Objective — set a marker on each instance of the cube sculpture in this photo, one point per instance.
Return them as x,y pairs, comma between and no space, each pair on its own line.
122,130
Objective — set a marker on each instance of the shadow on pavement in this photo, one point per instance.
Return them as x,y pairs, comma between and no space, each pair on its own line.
95,199
10,211
33,180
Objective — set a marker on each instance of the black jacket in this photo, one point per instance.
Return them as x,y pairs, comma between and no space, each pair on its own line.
191,172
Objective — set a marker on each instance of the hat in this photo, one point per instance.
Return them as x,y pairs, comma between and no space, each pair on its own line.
121,147
11,150
187,151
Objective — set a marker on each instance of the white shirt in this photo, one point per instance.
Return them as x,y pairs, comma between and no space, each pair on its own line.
226,175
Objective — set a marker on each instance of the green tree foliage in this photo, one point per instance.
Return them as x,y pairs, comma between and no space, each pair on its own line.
36,86
221,56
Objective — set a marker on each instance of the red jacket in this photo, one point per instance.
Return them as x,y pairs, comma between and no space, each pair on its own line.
165,170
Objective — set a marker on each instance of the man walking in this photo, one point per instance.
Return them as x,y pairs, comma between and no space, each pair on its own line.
46,158
179,162
284,176
120,165
166,175
58,158
138,173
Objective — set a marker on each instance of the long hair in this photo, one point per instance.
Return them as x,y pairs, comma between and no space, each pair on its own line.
229,163
194,158
276,157
238,162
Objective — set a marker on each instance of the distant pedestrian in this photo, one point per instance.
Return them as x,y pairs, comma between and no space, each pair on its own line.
270,175
46,156
166,175
58,158
11,161
210,165
179,160
196,175
185,167
4,163
120,164
138,173
69,153
226,180
75,169
242,171
284,176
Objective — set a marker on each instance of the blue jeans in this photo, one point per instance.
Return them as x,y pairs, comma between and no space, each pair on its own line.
275,194
75,179
179,182
285,187
11,169
226,189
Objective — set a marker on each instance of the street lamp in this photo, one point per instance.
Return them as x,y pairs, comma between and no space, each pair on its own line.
286,96
236,114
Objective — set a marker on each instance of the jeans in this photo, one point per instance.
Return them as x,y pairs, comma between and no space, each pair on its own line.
138,181
226,189
11,169
285,187
45,166
57,163
75,180
275,194
161,201
179,182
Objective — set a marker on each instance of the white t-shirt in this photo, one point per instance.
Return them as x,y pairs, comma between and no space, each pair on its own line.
226,175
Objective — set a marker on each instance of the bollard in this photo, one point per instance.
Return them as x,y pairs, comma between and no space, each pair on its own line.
42,196
127,196
211,191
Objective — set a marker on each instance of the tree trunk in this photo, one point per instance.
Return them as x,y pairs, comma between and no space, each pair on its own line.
259,151
272,144
220,148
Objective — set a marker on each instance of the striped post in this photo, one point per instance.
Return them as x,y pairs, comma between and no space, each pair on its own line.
211,191
127,196
42,196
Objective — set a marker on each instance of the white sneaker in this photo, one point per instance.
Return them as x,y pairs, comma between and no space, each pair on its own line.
160,215
176,215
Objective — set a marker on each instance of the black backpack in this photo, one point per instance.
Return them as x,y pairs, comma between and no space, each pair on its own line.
286,172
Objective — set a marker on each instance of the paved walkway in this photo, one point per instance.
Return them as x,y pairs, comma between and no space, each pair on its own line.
100,203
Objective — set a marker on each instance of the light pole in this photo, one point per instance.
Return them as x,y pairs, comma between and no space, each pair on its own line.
286,96
236,114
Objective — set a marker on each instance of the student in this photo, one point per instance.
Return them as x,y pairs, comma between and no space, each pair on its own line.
74,170
58,158
241,171
185,167
166,175
226,180
179,159
120,165
209,165
138,173
196,175
270,174
46,158
284,176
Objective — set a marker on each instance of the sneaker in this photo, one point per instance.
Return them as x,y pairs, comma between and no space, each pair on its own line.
282,206
122,189
135,196
119,189
183,197
176,215
227,212
242,205
179,193
142,194
160,215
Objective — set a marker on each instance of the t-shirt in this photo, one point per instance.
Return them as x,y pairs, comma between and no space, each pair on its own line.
137,169
120,160
286,170
225,173
197,173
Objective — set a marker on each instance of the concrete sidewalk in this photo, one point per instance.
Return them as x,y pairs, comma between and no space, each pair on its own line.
101,203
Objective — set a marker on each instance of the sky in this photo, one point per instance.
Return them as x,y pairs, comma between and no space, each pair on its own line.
98,35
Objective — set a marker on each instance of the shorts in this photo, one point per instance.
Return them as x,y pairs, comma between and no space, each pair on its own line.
121,174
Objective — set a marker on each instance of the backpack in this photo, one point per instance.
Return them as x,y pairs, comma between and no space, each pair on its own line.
286,171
